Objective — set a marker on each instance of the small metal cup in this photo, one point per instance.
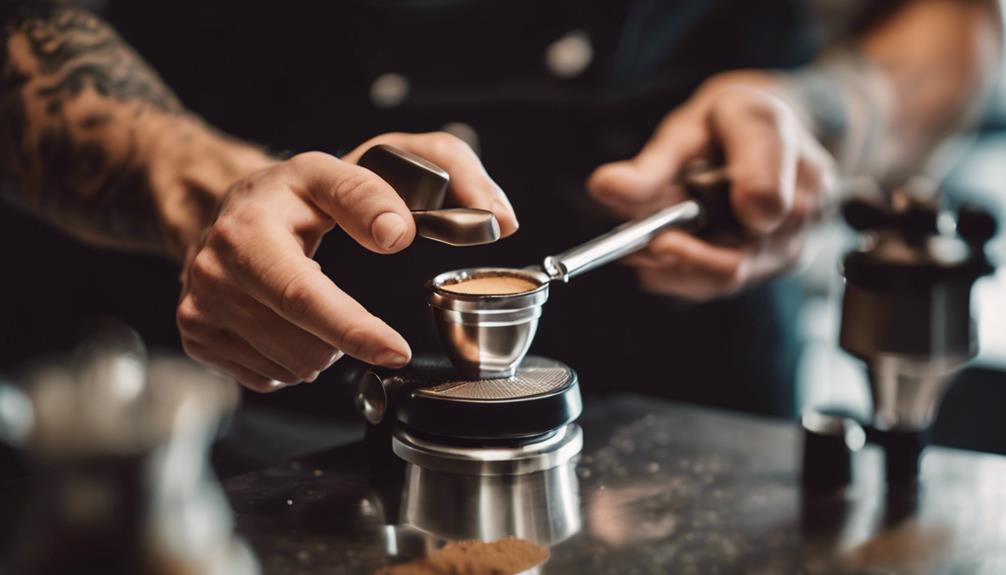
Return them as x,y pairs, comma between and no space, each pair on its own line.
487,336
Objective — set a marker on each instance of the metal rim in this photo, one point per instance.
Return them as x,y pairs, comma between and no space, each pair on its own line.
444,299
555,450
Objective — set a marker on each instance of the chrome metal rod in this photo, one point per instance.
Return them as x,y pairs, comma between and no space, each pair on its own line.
621,241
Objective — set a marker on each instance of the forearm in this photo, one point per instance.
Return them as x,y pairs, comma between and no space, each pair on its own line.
95,143
883,102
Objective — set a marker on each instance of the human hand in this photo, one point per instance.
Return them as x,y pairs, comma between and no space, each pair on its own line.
782,182
255,304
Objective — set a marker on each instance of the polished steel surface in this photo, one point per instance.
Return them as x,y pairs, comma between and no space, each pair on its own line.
663,488
457,226
620,242
542,507
486,336
422,185
555,449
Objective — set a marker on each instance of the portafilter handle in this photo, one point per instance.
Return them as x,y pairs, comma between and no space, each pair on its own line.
707,211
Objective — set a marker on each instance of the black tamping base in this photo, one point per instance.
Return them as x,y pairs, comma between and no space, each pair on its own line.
428,412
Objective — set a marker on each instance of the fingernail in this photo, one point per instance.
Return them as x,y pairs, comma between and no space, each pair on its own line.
391,358
504,207
387,229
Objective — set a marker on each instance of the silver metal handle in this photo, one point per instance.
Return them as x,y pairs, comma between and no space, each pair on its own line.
621,241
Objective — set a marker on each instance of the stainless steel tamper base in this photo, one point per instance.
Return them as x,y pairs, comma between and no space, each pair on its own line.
554,449
541,506
487,336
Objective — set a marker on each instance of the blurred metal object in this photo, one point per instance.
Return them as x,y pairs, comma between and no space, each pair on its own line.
620,242
906,313
122,482
488,335
423,186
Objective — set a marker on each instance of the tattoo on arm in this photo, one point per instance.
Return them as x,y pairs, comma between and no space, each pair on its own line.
79,114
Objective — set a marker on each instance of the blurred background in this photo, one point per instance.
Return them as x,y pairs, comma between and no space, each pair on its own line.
52,285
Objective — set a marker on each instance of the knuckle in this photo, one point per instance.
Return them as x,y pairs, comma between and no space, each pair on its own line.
308,159
257,384
763,191
296,297
227,231
188,316
355,189
730,279
352,339
204,270
447,143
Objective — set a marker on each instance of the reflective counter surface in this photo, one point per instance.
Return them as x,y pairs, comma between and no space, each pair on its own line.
658,488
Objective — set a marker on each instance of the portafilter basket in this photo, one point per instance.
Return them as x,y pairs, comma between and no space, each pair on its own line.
487,336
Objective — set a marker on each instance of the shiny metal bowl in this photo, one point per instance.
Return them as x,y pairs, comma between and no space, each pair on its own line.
486,336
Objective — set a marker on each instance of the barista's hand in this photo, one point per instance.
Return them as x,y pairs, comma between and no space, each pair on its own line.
256,304
782,182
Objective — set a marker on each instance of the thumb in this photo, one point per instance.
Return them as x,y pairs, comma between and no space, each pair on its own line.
645,183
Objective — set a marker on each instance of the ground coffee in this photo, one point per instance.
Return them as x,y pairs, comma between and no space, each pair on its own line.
491,285
504,557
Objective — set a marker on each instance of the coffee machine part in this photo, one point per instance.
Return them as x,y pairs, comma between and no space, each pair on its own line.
542,506
423,186
906,313
487,335
437,419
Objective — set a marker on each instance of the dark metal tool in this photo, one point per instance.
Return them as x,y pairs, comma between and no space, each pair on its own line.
423,186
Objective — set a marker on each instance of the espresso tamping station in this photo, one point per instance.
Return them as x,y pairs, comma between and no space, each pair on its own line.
906,314
487,421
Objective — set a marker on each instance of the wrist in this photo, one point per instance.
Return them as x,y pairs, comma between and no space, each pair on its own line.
191,169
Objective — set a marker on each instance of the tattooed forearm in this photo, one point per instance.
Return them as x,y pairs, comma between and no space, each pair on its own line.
92,140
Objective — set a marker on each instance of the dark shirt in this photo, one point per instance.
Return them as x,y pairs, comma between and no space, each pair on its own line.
297,75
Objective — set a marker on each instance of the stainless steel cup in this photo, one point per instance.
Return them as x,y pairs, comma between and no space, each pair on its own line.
487,336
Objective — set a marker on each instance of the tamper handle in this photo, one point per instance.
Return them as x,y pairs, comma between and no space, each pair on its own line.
422,185
707,211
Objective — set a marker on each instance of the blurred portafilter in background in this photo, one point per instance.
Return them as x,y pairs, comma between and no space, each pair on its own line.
120,480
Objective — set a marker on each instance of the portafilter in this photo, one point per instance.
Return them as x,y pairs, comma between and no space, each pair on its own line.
487,335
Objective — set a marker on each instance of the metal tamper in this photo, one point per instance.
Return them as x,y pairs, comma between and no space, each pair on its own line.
423,186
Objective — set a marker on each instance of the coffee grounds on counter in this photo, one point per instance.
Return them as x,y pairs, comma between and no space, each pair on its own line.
503,557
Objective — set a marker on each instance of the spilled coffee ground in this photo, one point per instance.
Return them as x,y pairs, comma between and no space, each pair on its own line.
504,557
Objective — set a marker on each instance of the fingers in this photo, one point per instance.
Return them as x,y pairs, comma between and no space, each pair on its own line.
470,185
681,264
300,353
357,199
760,140
250,369
642,185
271,267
